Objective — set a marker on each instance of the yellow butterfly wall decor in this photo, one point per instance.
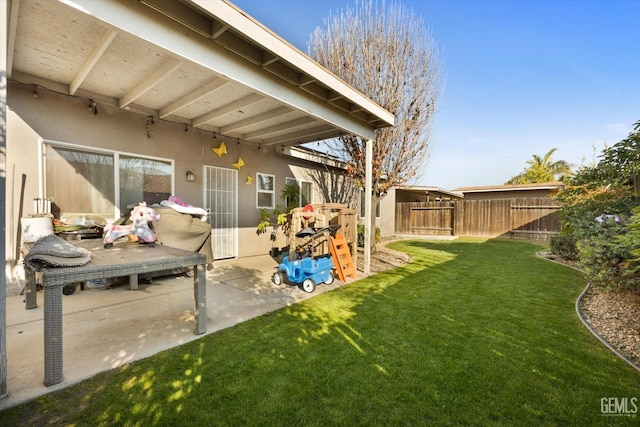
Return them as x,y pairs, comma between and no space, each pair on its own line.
249,180
239,163
220,150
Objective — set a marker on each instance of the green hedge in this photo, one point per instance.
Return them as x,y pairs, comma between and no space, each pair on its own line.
361,235
564,245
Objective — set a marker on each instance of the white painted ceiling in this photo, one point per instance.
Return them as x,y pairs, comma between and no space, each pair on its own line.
97,51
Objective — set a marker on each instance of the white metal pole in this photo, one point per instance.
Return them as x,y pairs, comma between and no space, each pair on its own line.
368,184
3,190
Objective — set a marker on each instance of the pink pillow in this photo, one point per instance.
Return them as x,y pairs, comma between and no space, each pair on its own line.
177,201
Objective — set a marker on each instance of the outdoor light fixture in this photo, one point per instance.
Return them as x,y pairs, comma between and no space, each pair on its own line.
150,123
190,176
92,107
35,92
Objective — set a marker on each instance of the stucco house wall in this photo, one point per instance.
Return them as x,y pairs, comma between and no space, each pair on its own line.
387,219
61,118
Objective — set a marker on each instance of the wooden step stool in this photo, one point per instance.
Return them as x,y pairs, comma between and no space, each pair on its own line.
341,256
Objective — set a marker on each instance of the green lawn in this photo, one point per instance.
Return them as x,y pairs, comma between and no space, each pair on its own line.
472,332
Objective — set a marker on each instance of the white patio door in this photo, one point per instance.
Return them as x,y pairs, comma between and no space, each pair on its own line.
221,200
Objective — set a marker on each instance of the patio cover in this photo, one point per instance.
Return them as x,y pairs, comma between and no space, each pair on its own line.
202,63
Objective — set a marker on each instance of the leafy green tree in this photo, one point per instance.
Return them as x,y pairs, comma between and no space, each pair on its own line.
543,169
600,212
631,240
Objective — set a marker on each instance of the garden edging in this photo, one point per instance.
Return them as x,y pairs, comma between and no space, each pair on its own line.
587,324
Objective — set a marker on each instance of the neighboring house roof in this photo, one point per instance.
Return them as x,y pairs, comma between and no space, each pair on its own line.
431,189
315,156
557,185
201,63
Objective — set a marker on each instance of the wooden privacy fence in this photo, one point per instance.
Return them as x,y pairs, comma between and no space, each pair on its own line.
531,218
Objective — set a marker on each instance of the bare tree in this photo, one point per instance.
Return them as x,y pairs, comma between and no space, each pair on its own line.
335,187
386,52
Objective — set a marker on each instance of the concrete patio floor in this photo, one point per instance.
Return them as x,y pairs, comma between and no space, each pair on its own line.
105,329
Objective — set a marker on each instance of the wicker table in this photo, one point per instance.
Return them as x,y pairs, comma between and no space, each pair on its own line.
123,259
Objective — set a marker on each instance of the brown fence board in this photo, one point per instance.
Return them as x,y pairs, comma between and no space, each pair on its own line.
524,218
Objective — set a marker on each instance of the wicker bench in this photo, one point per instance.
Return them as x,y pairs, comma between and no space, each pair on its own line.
123,259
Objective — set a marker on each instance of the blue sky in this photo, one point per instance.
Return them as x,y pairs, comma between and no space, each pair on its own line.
521,77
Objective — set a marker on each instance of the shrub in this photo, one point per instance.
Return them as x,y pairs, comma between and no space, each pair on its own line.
564,245
602,258
598,208
361,235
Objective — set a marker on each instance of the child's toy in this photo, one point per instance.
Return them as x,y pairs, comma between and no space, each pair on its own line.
141,216
302,266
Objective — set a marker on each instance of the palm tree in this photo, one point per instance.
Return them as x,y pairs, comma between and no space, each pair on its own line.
543,169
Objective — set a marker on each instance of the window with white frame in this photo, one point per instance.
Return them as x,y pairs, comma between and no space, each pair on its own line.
265,191
302,193
91,182
362,206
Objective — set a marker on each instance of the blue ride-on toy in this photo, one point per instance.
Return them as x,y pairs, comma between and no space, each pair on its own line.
302,266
